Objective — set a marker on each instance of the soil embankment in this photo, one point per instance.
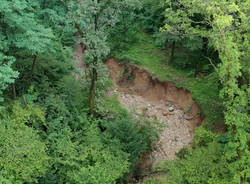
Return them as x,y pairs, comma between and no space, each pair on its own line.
140,93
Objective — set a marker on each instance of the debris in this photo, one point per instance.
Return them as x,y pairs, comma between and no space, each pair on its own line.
165,113
170,115
186,117
170,109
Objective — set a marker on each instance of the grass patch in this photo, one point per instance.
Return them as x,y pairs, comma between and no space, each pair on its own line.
160,179
145,54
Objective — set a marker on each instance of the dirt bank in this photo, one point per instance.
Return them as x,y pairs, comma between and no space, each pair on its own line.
133,80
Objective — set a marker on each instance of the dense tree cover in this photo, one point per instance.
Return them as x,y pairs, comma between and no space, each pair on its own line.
56,129
94,21
47,133
225,25
7,74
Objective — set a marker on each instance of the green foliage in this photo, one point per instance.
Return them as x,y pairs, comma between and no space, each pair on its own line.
21,33
84,159
110,107
103,163
227,32
23,154
94,20
49,68
157,180
142,52
182,27
46,133
56,15
203,137
204,165
127,27
7,75
135,135
129,134
215,23
78,149
152,15
20,26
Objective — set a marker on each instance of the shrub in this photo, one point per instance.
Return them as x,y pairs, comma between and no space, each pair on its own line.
23,156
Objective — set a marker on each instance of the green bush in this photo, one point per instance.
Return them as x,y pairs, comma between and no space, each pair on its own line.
129,135
23,155
206,165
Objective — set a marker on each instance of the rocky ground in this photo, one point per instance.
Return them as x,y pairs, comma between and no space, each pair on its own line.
175,135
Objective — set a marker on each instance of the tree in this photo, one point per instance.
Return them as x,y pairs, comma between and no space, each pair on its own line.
228,21
94,20
176,24
127,26
23,156
102,162
47,137
21,32
7,75
197,168
152,15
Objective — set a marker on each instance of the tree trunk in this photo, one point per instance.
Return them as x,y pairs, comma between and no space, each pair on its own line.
204,45
14,90
92,92
83,48
171,60
32,70
44,4
25,101
93,78
166,45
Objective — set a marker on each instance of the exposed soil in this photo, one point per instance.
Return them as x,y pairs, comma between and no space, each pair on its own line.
140,93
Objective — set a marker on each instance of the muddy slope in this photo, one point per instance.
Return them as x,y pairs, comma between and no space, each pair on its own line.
136,81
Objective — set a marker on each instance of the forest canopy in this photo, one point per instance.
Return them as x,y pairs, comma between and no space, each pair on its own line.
58,123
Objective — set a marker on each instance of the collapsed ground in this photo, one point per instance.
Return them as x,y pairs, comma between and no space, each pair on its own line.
140,93
174,108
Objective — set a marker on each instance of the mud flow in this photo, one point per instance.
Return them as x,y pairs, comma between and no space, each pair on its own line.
172,106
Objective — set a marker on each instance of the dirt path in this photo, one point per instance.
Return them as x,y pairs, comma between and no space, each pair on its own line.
174,107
